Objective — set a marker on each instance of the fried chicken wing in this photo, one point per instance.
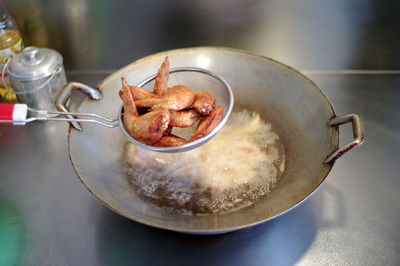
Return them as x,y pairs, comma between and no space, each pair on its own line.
170,141
150,127
137,92
175,98
147,128
150,116
183,118
160,85
203,102
208,123
130,111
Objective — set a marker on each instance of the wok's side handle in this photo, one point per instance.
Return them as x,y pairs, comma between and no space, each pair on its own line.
358,134
65,94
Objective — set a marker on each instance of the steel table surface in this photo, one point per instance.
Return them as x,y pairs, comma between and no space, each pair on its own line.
349,48
47,217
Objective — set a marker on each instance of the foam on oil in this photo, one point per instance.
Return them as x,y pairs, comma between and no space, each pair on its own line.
239,165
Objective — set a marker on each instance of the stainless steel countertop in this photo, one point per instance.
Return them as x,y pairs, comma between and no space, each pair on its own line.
305,34
48,218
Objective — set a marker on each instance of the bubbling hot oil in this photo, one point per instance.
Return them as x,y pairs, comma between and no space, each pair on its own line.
241,164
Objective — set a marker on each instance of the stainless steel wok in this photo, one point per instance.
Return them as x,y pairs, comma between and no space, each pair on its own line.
300,113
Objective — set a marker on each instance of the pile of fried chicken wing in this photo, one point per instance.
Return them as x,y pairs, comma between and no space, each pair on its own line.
150,116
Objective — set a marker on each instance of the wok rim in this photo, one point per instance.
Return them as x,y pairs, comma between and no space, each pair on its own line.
222,229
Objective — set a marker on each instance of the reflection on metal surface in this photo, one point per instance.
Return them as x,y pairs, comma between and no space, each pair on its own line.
79,29
280,242
304,34
203,61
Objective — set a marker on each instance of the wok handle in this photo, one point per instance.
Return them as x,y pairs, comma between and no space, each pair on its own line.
65,94
358,134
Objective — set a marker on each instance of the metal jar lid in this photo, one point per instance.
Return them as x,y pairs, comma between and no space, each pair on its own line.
34,63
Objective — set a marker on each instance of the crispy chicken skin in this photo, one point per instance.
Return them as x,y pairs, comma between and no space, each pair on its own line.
183,118
160,85
147,128
150,127
208,123
177,97
137,92
170,141
203,102
130,111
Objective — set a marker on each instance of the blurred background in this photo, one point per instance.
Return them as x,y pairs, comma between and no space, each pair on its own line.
305,34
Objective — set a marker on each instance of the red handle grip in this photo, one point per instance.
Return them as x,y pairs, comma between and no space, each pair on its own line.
13,113
6,112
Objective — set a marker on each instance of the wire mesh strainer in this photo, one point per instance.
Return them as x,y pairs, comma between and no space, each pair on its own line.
196,79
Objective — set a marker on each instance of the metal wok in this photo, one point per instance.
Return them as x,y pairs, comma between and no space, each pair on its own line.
300,113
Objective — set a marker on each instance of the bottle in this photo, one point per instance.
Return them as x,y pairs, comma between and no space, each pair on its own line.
10,44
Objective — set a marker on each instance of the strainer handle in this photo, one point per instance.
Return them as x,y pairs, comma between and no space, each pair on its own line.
358,134
13,113
65,94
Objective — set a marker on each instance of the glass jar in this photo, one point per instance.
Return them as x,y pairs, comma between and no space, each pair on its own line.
37,75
